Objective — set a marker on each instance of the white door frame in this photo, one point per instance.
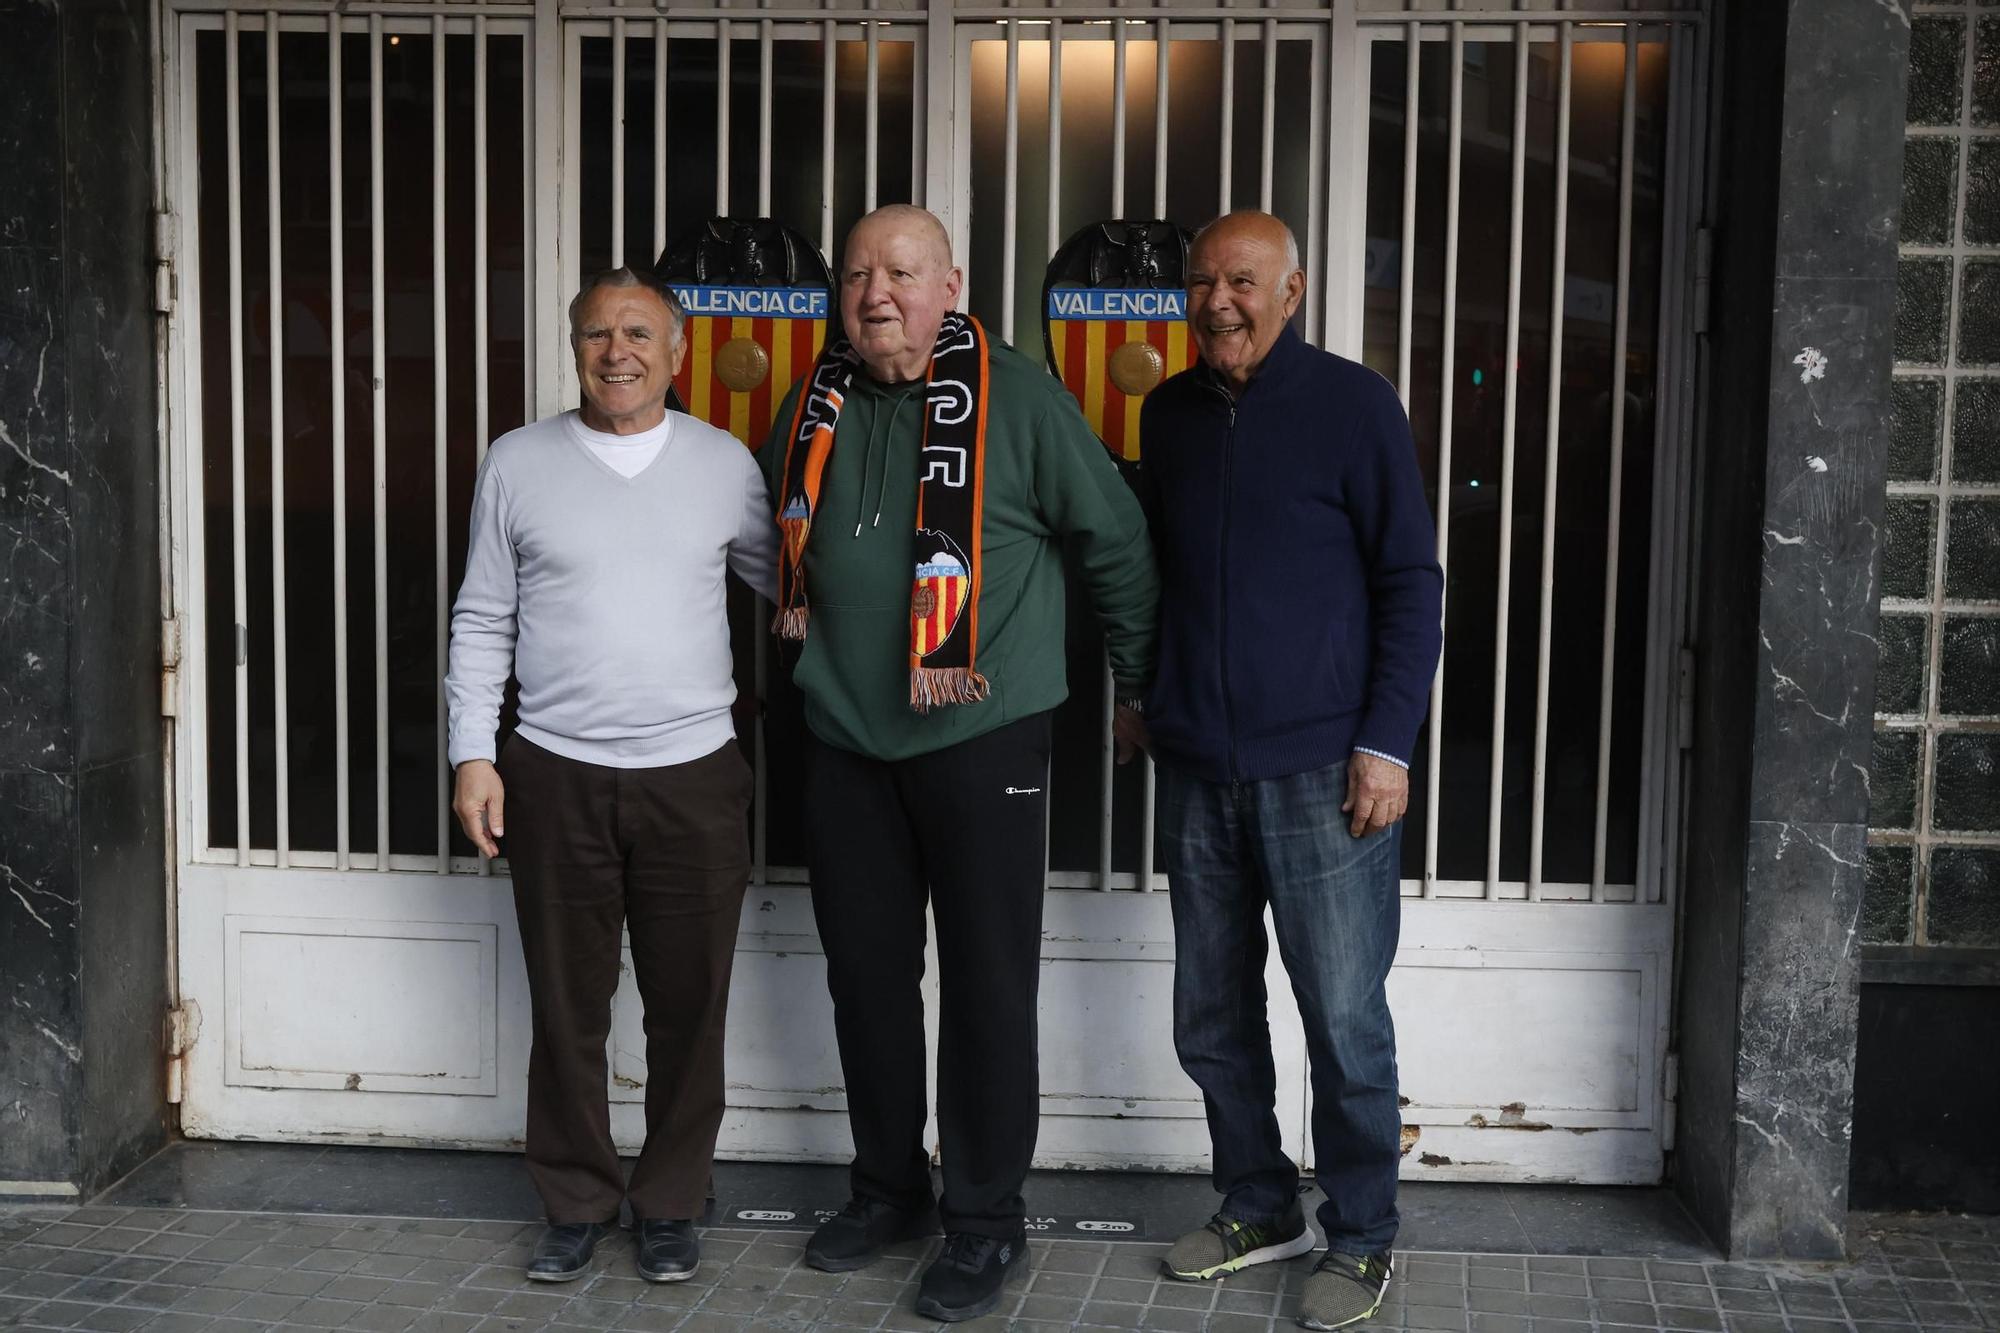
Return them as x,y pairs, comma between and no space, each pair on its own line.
1122,941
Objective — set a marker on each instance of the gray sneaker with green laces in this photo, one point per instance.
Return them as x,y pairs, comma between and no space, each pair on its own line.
1344,1289
1229,1245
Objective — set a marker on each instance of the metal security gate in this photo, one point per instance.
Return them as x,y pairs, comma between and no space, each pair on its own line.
376,218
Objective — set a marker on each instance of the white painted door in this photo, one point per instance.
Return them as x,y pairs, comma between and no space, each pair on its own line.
350,968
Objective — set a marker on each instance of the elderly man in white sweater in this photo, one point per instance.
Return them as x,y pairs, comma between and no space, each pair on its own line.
599,547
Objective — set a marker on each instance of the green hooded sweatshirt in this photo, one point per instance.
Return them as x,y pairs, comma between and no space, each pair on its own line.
1050,486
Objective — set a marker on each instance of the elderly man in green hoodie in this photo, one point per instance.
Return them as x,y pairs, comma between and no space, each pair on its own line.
928,481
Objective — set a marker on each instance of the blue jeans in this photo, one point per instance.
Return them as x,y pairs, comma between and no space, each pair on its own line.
1232,848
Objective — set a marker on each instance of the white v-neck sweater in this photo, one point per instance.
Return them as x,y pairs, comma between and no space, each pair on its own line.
604,594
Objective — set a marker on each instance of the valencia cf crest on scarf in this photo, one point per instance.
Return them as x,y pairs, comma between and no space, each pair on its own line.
942,588
758,296
1114,306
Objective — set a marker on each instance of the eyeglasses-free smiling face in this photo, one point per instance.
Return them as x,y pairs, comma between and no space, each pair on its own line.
1242,288
628,348
897,283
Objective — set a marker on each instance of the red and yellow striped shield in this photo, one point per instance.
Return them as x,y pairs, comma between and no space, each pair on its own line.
936,603
746,347
1111,346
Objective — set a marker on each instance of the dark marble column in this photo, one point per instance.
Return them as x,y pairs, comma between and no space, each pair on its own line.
1804,206
82,888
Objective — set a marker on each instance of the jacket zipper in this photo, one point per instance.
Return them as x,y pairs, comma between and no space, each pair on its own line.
1222,579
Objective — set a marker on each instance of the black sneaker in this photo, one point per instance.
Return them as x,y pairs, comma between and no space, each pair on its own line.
666,1251
1344,1289
964,1281
853,1238
564,1250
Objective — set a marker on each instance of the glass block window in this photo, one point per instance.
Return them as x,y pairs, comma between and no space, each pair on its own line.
1934,841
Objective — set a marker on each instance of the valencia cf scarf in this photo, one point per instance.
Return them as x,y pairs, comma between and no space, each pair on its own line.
945,551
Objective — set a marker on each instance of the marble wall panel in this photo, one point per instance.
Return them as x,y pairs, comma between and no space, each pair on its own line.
40,1030
82,892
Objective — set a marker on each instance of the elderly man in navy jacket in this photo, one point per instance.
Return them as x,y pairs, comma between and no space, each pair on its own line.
1301,600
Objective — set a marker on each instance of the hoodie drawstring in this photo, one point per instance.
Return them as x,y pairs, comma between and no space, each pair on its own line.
868,461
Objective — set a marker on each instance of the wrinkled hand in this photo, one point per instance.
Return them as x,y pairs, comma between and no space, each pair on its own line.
1128,730
478,797
1378,793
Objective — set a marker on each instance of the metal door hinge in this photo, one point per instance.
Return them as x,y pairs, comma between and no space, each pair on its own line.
166,286
1704,269
1684,699
170,667
183,1027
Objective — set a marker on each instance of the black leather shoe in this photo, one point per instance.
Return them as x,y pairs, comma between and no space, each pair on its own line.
667,1251
853,1238
964,1281
564,1251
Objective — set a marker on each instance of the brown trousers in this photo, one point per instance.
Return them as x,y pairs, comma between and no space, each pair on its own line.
664,853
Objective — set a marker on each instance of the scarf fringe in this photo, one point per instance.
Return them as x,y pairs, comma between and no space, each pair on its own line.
933,686
790,623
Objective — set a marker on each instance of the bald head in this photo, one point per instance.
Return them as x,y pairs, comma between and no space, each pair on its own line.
1250,223
906,220
1243,285
897,282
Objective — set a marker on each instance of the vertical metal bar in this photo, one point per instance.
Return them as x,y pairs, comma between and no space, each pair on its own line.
1538,815
481,314
1162,86
764,36
1346,161
530,220
1267,158
1662,637
1118,57
549,74
1055,136
1315,246
922,138
1010,207
1162,74
617,143
440,333
1621,311
337,352
378,354
828,75
873,130
1448,369
1107,741
659,139
238,523
1406,302
1509,425
1228,110
281,694
1107,768
760,666
722,118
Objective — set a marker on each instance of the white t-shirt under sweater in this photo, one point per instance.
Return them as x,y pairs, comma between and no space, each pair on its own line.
604,593
627,455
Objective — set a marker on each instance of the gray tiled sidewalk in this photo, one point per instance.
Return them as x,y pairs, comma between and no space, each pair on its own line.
166,1269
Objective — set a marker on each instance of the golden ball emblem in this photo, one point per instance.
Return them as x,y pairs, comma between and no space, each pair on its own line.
741,364
1137,367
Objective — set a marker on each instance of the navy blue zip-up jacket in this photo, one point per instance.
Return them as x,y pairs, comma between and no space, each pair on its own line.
1301,598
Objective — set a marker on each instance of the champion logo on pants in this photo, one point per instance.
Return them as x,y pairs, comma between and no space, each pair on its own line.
1024,791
